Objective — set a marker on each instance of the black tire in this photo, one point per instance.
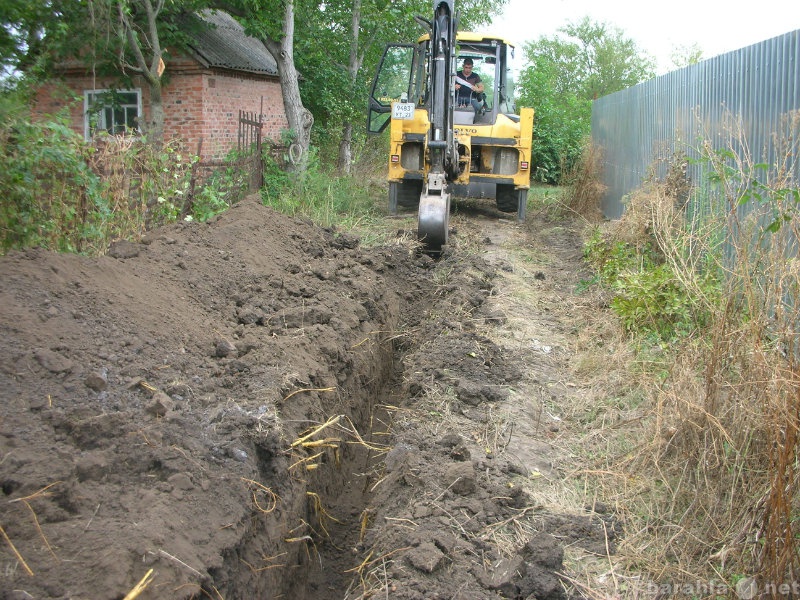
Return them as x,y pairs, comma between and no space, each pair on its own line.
510,200
404,194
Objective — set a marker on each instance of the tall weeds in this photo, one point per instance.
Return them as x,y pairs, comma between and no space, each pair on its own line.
347,202
583,181
713,492
62,193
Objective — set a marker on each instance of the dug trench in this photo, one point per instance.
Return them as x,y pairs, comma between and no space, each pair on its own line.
259,408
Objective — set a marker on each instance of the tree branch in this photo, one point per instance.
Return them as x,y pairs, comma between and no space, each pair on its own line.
150,72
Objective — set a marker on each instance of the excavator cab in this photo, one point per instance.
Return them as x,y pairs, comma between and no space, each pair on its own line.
435,140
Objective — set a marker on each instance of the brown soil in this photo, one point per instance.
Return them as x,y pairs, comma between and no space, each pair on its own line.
259,408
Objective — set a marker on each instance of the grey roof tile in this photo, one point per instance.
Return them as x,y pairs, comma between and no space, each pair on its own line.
225,45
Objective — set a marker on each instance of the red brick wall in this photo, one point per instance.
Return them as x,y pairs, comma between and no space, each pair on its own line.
52,97
198,103
224,95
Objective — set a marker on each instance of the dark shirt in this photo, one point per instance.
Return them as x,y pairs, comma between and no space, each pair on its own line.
464,92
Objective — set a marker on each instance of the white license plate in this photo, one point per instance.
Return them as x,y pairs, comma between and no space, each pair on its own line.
403,110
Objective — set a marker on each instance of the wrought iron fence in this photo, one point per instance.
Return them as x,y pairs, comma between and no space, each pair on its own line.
243,171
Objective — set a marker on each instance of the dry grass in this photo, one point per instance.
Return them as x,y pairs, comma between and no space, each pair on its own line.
584,184
709,492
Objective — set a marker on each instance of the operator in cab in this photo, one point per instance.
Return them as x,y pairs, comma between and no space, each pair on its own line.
468,86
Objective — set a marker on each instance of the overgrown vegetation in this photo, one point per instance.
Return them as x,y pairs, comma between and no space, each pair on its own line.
66,194
582,181
345,202
708,291
62,193
227,183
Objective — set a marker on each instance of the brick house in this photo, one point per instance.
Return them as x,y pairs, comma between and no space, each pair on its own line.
224,72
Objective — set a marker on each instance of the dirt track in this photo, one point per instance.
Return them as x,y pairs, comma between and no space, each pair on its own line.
257,408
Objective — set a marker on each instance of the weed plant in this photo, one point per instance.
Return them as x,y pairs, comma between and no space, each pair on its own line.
711,492
329,201
62,193
65,194
223,188
583,182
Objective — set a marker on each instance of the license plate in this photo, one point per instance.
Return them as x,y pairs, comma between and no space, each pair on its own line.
403,110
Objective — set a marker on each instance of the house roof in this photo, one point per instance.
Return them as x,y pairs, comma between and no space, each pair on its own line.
225,45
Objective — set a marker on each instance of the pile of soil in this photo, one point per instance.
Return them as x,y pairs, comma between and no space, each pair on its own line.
259,408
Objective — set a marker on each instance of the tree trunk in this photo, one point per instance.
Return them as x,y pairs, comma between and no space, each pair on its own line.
155,126
299,117
345,160
150,67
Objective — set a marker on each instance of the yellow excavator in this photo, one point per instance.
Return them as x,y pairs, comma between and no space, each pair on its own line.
440,144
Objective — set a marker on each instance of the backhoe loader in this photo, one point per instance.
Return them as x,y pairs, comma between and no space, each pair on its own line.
439,148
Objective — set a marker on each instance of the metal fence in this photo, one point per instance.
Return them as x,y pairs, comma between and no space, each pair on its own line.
639,129
233,176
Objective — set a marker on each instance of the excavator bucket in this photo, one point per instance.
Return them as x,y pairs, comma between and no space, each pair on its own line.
433,221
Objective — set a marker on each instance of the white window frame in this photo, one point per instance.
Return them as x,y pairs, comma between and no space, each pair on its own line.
104,114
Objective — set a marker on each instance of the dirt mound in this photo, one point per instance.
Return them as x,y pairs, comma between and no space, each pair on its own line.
240,407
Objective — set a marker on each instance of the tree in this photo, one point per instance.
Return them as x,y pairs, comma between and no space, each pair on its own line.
127,36
564,75
273,22
561,122
338,43
131,36
138,28
21,29
31,33
604,60
136,32
683,56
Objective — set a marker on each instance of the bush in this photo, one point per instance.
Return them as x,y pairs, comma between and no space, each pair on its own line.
62,193
325,199
51,197
583,180
661,284
223,188
712,489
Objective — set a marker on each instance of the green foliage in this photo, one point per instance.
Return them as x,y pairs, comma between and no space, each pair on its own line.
337,73
223,188
162,176
28,30
610,258
683,56
647,294
754,184
564,75
652,301
315,194
51,197
604,60
62,193
562,121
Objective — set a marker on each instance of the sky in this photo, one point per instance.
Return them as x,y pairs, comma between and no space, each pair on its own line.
715,26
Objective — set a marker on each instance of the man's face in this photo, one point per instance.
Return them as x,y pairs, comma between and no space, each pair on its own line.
467,69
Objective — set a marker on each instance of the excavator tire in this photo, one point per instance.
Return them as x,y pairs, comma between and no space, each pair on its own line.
510,200
404,194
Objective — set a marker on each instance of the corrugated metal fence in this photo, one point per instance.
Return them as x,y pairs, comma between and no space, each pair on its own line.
640,128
